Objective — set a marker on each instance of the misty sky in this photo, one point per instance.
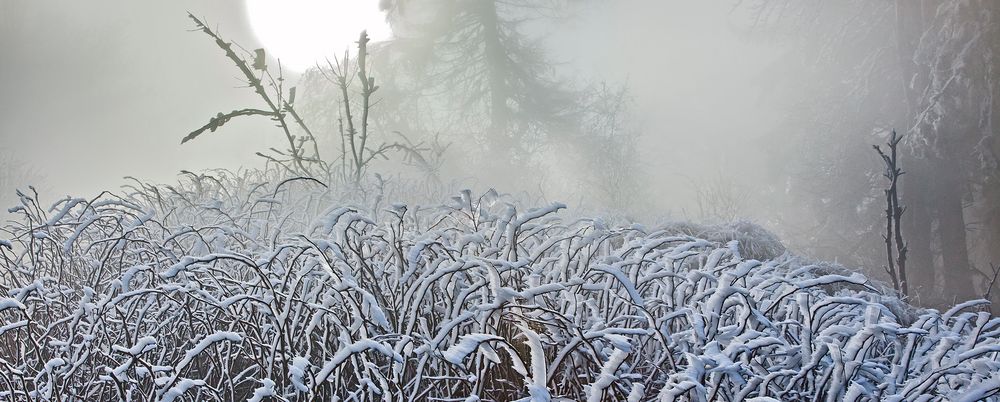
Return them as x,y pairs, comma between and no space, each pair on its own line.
97,90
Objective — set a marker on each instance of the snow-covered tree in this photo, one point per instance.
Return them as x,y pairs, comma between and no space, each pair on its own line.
928,69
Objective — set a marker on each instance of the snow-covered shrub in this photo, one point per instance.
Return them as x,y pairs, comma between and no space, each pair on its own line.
227,289
753,241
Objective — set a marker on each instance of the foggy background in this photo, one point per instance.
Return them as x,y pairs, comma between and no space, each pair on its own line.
89,88
763,111
87,85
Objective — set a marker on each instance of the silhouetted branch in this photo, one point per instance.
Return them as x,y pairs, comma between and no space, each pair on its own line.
893,236
276,107
221,119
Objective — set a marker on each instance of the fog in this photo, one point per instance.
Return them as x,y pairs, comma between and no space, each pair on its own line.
89,87
99,90
703,88
722,99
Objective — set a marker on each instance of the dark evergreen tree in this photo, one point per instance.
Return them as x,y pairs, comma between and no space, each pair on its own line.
477,73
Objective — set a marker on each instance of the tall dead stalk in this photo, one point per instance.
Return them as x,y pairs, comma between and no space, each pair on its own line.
895,246
356,153
278,107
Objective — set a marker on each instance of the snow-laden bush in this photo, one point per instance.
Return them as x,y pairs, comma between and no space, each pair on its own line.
223,289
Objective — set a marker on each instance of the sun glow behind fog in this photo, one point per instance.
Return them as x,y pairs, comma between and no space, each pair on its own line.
302,33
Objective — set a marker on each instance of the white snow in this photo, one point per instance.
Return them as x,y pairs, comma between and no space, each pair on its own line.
284,302
466,345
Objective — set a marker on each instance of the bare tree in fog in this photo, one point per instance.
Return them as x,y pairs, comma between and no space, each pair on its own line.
929,69
608,150
720,200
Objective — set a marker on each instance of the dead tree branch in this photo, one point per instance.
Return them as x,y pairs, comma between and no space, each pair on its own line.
895,246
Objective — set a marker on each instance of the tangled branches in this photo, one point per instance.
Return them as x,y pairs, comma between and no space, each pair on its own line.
222,289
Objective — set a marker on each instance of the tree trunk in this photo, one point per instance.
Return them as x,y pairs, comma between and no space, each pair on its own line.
958,275
917,228
499,140
988,202
911,22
